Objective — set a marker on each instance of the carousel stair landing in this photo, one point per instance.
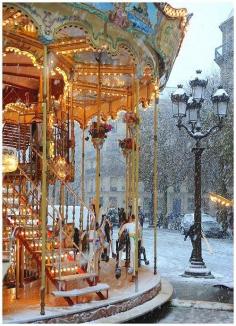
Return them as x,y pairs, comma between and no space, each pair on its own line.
80,292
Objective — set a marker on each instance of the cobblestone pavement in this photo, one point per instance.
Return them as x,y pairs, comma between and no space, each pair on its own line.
182,315
202,292
171,265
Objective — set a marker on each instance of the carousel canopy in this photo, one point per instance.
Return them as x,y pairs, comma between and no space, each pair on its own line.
96,52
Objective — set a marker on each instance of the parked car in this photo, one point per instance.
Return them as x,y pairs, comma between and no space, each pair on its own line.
114,216
210,226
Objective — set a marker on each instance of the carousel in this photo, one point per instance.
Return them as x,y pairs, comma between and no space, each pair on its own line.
66,64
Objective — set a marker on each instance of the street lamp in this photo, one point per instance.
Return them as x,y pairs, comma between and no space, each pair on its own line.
191,106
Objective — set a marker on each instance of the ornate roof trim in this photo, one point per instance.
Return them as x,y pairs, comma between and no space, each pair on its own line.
171,12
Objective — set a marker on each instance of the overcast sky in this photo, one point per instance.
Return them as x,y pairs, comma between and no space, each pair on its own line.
203,36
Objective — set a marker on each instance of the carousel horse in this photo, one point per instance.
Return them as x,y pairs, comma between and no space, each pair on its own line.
122,243
106,228
141,250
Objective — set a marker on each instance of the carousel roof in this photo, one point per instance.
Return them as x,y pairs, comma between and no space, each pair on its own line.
94,50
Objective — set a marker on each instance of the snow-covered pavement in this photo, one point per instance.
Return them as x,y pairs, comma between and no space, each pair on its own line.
173,255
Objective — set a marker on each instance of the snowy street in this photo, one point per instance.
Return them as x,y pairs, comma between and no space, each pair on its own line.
173,255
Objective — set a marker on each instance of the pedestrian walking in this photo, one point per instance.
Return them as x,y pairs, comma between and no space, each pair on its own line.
192,235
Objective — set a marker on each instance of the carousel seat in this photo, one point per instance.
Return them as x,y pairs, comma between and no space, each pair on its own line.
80,292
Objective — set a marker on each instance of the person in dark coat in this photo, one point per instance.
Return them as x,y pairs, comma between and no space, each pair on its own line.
76,240
192,235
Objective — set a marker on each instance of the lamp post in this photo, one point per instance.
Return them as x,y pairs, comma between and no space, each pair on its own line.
190,107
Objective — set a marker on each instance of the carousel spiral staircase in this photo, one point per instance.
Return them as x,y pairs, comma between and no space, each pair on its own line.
22,236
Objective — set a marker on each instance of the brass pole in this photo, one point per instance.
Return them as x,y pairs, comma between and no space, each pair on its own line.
133,153
136,188
82,178
126,170
62,203
97,183
155,183
43,210
97,208
22,258
17,267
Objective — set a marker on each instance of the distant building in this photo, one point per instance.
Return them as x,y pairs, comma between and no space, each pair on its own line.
224,54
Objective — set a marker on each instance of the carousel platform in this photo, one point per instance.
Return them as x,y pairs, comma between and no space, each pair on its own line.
122,305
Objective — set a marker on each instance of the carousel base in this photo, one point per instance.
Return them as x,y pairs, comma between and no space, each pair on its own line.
124,303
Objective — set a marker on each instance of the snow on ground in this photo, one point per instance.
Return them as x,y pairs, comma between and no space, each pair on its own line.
173,256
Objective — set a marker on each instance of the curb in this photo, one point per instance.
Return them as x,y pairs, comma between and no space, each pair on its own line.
211,305
162,297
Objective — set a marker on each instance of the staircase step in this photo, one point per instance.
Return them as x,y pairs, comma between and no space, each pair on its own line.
76,277
17,136
80,292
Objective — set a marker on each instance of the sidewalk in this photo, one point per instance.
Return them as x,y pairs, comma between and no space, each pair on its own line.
201,292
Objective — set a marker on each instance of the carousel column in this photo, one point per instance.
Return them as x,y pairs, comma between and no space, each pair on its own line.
61,224
133,130
97,203
136,189
126,170
82,177
22,265
43,210
17,267
98,156
98,146
155,190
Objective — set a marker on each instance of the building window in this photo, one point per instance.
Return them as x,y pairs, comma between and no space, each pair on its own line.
114,127
190,204
113,202
113,184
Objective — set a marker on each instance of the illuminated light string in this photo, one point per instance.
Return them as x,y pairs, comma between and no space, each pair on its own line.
75,50
24,53
103,92
221,200
65,78
10,20
70,42
29,28
17,107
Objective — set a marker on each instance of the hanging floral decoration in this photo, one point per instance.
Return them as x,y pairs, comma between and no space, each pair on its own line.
98,133
126,145
131,118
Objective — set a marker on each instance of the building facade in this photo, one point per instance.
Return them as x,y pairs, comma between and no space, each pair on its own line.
112,172
224,54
